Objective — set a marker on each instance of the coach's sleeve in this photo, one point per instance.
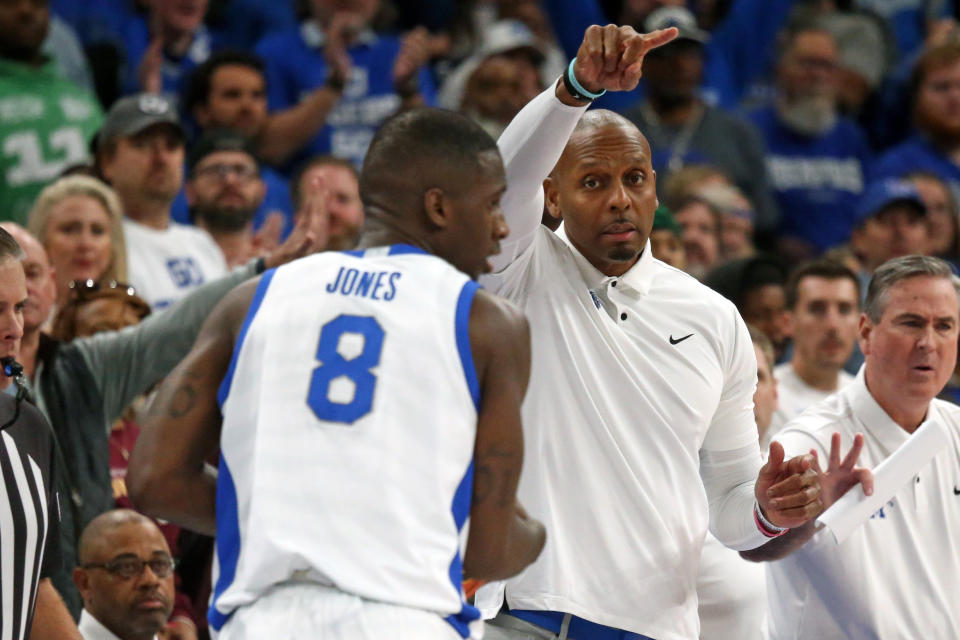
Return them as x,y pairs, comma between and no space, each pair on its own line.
531,145
730,455
733,425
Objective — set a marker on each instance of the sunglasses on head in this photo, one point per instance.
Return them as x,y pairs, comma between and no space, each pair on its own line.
81,288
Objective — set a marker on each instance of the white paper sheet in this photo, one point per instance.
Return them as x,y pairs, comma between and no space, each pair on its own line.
891,475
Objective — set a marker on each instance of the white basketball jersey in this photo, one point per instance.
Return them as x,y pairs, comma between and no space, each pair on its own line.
349,418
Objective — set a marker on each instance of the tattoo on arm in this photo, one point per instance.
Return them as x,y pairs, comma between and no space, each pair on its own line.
183,401
495,476
183,397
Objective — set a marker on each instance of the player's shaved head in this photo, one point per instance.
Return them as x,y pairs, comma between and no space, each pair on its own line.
95,534
588,126
417,150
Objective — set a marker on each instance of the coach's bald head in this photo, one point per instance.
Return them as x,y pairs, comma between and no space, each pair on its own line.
604,189
588,126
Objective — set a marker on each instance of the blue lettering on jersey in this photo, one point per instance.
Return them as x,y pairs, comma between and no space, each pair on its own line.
184,272
376,285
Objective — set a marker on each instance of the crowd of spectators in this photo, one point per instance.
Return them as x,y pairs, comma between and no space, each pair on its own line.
155,152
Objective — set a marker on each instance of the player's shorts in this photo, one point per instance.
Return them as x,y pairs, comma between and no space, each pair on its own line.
308,611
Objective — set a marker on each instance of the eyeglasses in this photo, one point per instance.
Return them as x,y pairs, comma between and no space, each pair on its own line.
81,288
128,567
243,172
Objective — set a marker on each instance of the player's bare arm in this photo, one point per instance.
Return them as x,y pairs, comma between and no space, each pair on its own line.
839,477
168,477
503,540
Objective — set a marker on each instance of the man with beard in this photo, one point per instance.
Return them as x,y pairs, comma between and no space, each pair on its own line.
45,120
936,111
140,154
816,159
823,306
229,91
223,191
683,129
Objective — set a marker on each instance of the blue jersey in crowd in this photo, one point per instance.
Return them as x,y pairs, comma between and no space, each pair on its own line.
816,180
296,66
121,23
917,154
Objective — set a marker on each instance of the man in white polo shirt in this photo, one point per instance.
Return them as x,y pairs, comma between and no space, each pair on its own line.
639,425
823,308
898,575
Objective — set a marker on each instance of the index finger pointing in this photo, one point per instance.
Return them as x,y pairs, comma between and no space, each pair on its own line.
637,46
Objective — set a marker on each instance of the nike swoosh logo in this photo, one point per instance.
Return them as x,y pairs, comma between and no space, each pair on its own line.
679,340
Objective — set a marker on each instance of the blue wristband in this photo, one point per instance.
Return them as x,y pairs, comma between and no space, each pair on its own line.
577,87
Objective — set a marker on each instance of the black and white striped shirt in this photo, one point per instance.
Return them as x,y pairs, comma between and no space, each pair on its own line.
29,515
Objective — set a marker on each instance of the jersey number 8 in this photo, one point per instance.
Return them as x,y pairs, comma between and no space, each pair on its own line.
334,366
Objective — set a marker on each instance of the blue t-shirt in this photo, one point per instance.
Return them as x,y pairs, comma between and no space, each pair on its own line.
916,154
135,39
296,66
816,180
277,198
245,22
121,23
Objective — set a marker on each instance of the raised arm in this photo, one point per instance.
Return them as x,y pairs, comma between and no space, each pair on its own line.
168,476
503,540
609,58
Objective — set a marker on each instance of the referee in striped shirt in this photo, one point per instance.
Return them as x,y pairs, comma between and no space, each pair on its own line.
29,509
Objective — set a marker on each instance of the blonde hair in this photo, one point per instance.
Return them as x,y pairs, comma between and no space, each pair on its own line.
79,185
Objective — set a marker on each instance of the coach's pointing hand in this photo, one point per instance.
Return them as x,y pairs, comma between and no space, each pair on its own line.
611,58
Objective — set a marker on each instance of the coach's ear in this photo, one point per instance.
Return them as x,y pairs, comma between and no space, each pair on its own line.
552,197
438,207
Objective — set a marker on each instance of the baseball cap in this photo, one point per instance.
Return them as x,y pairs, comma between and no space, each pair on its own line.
133,114
502,36
509,35
679,17
663,220
882,193
219,140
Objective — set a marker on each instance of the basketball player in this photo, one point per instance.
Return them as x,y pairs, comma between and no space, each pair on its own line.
370,409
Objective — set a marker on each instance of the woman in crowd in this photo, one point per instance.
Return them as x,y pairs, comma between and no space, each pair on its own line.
78,221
